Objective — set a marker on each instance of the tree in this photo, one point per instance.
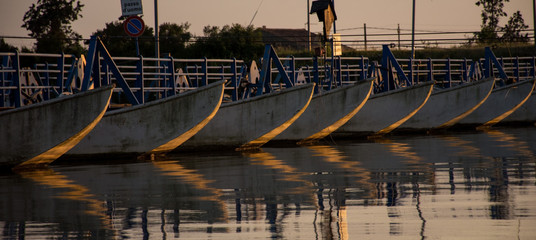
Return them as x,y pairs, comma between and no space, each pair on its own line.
491,14
233,41
174,39
514,27
49,23
119,43
6,47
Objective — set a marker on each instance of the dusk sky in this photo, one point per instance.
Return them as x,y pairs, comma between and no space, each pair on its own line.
381,16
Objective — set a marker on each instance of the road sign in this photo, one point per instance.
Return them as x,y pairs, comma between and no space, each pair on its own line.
131,7
134,26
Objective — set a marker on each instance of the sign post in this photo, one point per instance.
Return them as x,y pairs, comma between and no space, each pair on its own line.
134,27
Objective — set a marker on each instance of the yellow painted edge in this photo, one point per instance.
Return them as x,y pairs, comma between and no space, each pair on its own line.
461,116
507,113
60,149
337,124
174,143
403,120
270,135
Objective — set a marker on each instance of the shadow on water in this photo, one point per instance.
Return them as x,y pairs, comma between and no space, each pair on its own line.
477,185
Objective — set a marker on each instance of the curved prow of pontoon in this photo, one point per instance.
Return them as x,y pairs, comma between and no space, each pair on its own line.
386,111
155,127
448,106
250,123
40,133
327,112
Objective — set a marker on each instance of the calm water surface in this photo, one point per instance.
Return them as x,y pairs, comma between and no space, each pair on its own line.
478,185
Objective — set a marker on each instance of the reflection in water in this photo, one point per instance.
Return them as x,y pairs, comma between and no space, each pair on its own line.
464,186
75,192
174,169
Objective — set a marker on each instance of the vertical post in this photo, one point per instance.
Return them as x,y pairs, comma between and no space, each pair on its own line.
16,80
398,31
156,36
534,16
308,26
365,34
137,46
413,32
334,26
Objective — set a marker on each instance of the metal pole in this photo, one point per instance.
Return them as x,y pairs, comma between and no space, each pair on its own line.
334,26
413,32
398,31
156,36
534,16
309,26
365,34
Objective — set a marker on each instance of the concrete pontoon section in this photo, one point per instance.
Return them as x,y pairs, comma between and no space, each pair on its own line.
384,112
448,106
252,122
525,114
40,133
502,102
327,112
154,127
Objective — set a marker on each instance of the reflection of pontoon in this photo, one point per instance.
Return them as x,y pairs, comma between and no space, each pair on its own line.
42,132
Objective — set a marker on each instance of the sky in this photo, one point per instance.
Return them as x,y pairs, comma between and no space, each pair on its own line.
380,16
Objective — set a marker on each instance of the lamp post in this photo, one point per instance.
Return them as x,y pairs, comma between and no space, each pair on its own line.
156,37
413,32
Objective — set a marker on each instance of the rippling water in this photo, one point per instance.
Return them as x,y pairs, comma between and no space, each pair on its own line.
478,185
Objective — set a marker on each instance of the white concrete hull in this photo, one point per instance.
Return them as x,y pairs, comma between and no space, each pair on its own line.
502,102
327,112
252,122
155,127
40,133
524,114
448,106
384,112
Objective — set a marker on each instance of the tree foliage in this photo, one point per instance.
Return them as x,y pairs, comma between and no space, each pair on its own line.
233,41
6,47
512,32
119,43
492,12
174,39
49,22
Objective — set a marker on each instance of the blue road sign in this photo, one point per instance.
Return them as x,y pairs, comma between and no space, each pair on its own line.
134,26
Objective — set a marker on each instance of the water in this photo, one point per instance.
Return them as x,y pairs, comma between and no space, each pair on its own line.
477,185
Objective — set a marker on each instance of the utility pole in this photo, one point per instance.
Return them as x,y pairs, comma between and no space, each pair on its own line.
413,33
398,31
309,26
534,16
365,34
156,37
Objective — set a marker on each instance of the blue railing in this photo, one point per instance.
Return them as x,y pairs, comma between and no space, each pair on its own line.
23,82
141,79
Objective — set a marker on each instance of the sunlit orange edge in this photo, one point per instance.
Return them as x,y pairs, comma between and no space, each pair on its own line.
507,113
337,124
461,116
174,143
60,149
276,131
411,114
